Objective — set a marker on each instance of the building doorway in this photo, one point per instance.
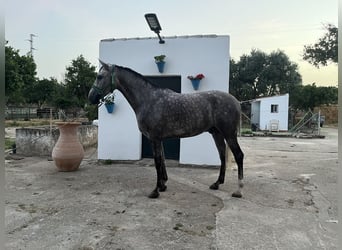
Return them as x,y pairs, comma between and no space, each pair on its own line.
171,146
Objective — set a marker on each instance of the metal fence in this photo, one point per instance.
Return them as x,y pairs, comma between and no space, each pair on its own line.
27,113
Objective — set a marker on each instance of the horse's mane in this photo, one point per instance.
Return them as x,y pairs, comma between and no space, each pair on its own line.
136,74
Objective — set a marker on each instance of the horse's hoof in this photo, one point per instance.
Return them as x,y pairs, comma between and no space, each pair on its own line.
163,188
214,186
154,194
237,194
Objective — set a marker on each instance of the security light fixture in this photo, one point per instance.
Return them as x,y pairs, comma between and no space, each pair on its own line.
153,22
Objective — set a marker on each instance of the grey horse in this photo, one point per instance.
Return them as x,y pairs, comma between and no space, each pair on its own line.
162,113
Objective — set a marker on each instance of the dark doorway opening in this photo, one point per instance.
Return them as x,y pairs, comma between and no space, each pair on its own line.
171,146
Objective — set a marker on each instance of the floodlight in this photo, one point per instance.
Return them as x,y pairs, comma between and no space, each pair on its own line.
153,22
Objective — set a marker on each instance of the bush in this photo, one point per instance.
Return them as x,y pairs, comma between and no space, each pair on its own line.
91,112
246,132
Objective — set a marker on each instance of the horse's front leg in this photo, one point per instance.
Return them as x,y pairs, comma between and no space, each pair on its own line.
159,162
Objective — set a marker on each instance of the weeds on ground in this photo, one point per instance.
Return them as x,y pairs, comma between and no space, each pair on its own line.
8,143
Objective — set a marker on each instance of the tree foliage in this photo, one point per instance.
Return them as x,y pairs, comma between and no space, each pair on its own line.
20,75
79,78
43,92
61,99
260,75
308,97
23,87
325,50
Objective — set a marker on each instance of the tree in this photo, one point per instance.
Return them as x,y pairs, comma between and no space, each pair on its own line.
61,99
259,75
325,50
79,78
27,69
280,75
308,97
13,83
20,75
43,92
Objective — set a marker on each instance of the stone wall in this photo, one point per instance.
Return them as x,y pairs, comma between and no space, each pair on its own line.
39,141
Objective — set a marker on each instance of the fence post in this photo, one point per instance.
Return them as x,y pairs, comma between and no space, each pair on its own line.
50,121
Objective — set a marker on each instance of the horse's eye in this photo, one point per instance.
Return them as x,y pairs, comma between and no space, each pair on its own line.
99,77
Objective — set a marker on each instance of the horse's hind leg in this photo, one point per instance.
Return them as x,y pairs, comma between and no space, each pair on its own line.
221,147
159,162
238,155
163,168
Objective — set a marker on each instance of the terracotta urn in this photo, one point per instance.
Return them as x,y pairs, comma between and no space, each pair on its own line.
68,151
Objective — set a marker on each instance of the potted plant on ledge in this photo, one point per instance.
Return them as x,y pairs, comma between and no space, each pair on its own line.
159,60
195,80
109,102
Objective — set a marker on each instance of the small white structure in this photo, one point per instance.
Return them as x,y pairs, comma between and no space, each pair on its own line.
118,136
271,113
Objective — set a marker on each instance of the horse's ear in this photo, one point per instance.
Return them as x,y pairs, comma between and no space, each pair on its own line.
105,65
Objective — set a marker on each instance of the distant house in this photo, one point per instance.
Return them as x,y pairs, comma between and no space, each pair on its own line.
270,113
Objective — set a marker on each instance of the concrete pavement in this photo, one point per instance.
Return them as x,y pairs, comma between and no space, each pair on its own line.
290,202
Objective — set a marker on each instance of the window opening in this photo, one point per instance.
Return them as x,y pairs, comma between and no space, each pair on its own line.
274,108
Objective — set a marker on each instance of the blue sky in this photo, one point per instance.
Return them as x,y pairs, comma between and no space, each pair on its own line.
65,29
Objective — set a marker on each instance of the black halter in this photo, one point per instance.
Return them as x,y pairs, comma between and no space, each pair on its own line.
112,83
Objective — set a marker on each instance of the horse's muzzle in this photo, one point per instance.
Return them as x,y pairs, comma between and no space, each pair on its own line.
94,97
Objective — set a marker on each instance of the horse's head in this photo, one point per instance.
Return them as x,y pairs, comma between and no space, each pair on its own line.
104,83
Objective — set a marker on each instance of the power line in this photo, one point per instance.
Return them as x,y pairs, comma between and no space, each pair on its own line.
31,44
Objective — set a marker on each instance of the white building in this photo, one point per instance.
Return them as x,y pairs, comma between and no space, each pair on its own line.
271,113
118,136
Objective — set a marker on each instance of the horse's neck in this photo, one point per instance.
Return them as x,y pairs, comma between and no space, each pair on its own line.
135,89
